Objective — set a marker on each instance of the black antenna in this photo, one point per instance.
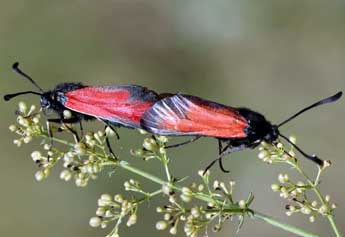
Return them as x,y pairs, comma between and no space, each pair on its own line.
20,72
313,157
10,96
330,99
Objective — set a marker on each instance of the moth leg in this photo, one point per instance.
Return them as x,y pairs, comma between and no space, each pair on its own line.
67,121
184,143
81,129
220,160
229,149
112,128
108,125
108,142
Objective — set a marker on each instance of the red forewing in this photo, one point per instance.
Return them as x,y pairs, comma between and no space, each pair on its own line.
189,115
117,104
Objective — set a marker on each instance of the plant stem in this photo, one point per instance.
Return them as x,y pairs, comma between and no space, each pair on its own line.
283,226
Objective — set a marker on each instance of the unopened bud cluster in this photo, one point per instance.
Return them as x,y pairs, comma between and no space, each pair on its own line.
197,218
28,124
113,208
152,147
296,193
276,153
80,161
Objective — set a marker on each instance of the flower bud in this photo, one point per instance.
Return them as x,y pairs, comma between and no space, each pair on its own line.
39,175
132,220
263,154
12,128
161,225
22,107
293,139
80,182
80,148
109,132
275,187
150,144
242,204
173,230
67,114
195,211
36,156
95,221
118,198
186,198
66,175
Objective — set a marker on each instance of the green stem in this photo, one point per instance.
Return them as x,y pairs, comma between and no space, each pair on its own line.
283,226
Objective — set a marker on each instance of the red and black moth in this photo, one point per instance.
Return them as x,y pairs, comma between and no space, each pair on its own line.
121,105
238,128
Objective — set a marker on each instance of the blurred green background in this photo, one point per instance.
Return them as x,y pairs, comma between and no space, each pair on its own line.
273,56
